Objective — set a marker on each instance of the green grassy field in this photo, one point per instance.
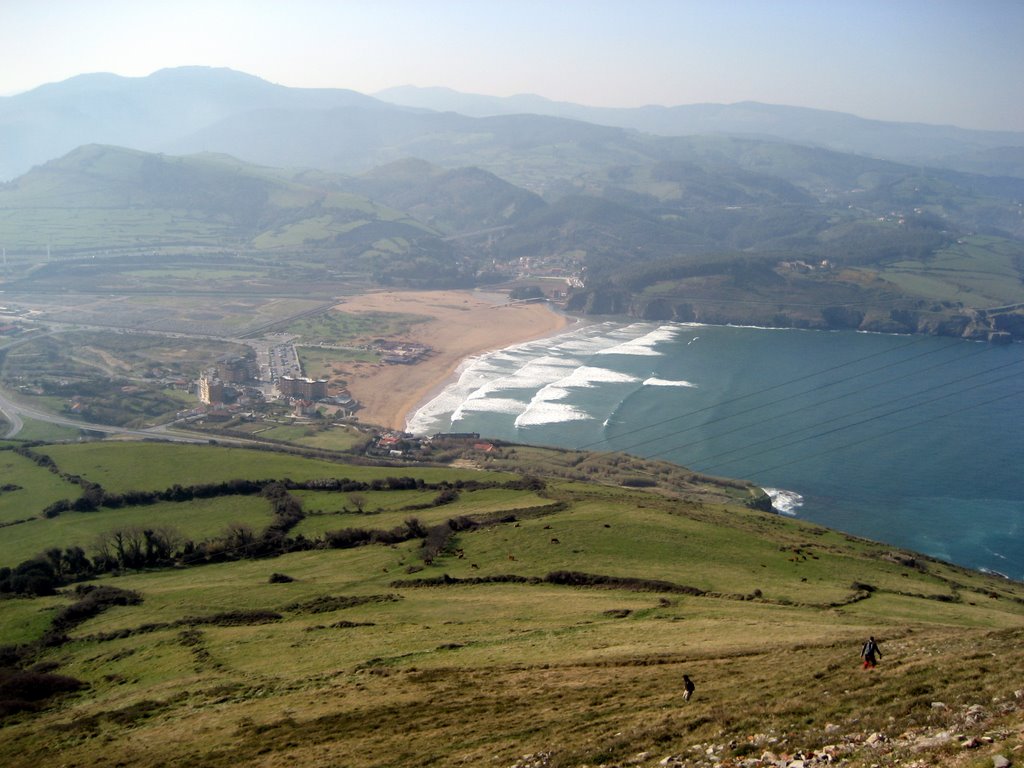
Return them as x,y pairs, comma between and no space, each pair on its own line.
316,434
380,656
120,467
36,488
198,520
977,271
388,509
319,363
44,431
338,326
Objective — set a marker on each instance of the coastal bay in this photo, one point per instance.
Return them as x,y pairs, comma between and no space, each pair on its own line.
908,440
456,325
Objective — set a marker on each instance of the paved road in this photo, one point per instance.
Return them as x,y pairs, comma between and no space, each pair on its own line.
14,411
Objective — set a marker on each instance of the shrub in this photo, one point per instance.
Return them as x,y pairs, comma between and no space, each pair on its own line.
92,602
639,482
26,689
35,577
233,619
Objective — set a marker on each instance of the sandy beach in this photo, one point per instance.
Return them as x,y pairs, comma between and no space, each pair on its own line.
461,324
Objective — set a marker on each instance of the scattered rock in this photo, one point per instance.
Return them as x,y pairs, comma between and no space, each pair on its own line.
535,760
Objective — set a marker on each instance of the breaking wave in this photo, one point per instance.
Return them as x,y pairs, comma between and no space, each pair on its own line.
784,502
656,382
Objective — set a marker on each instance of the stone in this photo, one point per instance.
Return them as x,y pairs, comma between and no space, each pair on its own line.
1000,762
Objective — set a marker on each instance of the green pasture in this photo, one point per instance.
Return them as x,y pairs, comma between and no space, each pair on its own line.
290,433
232,648
45,431
482,624
196,520
84,363
336,326
320,362
978,271
297,234
336,437
78,228
350,202
37,489
25,620
124,466
384,510
314,434
161,275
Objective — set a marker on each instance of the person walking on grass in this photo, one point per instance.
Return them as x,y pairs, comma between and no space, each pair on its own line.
870,653
688,687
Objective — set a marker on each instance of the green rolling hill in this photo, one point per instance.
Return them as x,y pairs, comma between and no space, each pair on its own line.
256,608
109,198
711,229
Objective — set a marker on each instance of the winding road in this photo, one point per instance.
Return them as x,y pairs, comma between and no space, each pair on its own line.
16,412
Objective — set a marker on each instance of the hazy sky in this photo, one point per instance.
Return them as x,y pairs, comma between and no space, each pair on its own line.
957,62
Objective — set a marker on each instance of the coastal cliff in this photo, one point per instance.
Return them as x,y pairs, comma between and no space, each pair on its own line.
1001,325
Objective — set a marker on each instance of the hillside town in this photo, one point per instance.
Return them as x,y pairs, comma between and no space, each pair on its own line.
273,374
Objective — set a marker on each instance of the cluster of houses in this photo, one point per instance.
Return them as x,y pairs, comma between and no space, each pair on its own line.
395,444
400,352
804,267
232,384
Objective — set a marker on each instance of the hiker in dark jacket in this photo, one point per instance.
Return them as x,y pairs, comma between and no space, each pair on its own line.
688,687
869,652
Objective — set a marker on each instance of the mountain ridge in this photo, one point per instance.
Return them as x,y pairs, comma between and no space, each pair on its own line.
161,111
840,131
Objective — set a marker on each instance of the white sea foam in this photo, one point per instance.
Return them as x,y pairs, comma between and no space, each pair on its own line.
589,375
785,502
489,405
656,382
642,345
548,367
993,572
534,373
548,412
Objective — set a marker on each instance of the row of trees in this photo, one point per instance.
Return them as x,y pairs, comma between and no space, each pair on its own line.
137,547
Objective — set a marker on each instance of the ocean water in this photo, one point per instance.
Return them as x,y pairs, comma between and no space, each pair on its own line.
913,441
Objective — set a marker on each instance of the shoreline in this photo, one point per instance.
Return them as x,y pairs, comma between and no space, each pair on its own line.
441,384
459,325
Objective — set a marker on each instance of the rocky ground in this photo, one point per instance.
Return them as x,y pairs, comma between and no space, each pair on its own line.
975,736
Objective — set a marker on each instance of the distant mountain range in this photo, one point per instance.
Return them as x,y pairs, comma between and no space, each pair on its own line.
194,109
716,227
992,152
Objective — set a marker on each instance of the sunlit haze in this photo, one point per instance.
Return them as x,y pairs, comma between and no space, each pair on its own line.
957,62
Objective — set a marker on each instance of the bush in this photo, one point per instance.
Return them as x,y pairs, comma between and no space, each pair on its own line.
26,689
34,577
639,482
92,602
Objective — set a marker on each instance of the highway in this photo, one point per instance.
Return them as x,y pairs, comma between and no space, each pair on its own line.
16,412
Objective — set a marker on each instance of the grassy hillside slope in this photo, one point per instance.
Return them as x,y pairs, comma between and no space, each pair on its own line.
107,199
548,624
